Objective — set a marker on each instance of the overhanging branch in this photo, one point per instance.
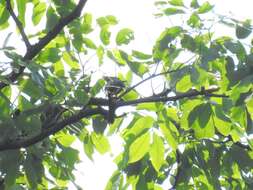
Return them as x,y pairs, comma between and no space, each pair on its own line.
36,48
50,130
19,24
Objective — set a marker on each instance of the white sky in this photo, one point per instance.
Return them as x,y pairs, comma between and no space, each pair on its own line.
137,14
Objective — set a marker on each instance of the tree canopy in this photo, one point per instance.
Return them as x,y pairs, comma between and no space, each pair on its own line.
193,126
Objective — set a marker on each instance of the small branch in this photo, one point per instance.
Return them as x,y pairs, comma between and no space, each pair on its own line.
98,101
18,23
36,48
239,144
56,30
192,93
244,146
178,160
50,130
144,80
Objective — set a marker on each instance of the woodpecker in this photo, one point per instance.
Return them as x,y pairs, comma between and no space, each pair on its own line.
113,87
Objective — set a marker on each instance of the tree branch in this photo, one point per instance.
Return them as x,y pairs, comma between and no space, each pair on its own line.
50,129
179,170
54,128
56,30
18,23
36,48
192,93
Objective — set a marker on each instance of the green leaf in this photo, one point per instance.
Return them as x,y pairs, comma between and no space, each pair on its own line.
100,53
132,95
115,126
64,138
194,4
238,115
101,143
52,18
118,56
176,2
21,12
97,87
156,152
23,103
206,112
200,120
107,20
173,11
149,106
222,122
99,124
194,21
167,36
49,55
249,105
138,68
4,16
205,7
162,3
124,36
89,43
139,148
140,55
243,31
236,48
113,183
31,88
81,96
69,156
105,35
169,135
9,164
87,23
70,60
59,69
141,125
5,103
38,12
78,42
184,84
33,169
88,147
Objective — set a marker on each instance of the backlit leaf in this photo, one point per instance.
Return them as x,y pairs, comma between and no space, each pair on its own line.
124,36
139,148
205,7
38,12
173,11
105,35
156,152
101,143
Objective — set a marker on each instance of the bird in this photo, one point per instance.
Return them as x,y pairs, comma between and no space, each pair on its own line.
113,87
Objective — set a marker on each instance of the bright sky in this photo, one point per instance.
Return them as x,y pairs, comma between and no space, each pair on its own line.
137,14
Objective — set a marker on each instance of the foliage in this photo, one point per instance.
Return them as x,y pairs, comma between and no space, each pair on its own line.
195,131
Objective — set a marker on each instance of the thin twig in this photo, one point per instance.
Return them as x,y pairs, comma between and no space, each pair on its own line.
18,23
144,80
